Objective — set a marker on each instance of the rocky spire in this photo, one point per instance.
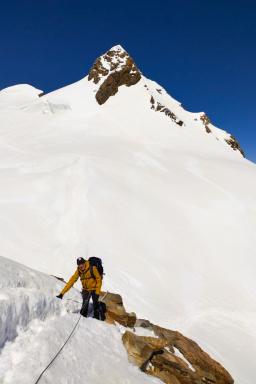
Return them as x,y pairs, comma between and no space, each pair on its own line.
111,70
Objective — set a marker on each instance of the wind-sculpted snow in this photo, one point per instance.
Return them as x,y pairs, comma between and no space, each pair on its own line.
26,295
37,324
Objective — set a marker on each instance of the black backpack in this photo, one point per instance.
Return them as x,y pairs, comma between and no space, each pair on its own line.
96,262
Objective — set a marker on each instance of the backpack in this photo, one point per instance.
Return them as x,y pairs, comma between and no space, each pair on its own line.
96,262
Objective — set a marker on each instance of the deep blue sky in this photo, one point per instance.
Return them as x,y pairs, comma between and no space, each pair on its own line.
202,52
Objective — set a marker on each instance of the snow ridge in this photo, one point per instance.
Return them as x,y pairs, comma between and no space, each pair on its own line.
37,327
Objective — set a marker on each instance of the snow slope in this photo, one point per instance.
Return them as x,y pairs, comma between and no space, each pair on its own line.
35,324
171,209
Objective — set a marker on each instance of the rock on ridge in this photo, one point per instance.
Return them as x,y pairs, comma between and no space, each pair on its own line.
206,121
234,144
231,140
111,70
116,311
167,354
158,107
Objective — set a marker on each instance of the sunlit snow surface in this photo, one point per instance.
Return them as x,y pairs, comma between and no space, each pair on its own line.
170,209
43,323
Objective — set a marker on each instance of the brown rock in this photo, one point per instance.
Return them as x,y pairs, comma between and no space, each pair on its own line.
171,369
151,356
234,144
204,365
161,108
121,70
152,102
231,141
170,356
116,311
140,348
143,323
156,357
97,71
206,121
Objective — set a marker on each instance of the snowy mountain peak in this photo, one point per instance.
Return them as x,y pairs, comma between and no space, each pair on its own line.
111,70
116,68
118,48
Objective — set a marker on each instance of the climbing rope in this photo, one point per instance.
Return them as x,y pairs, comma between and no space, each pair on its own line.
69,337
79,302
75,301
59,351
102,298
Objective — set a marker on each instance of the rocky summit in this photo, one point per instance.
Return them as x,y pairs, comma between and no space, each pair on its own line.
111,70
116,68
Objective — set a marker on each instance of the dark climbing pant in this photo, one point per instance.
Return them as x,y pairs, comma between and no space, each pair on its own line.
86,299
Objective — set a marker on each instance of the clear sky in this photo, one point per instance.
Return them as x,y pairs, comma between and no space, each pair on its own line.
202,52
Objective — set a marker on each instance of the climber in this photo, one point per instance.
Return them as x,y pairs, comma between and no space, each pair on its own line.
91,280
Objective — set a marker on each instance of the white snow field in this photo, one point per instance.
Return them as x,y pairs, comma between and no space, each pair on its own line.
170,209
34,325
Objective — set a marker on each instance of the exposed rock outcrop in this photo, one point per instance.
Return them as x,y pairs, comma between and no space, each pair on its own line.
230,141
173,358
112,70
158,107
205,368
116,311
169,356
116,68
141,349
234,144
206,121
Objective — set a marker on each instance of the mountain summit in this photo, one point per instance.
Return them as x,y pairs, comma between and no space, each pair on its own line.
116,68
111,70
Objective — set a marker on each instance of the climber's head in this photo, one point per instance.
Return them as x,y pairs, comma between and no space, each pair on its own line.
81,263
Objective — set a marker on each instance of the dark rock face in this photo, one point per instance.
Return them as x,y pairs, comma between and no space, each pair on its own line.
231,141
206,121
114,69
158,107
234,144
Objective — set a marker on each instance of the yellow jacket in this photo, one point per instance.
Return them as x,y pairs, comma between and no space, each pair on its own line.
87,280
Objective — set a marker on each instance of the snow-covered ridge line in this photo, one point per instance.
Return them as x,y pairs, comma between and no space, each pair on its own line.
116,68
110,71
30,310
